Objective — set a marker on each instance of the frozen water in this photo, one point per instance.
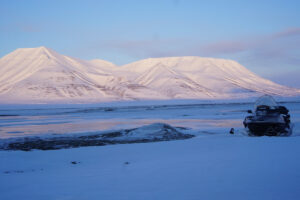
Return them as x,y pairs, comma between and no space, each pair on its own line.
39,120
212,165
32,120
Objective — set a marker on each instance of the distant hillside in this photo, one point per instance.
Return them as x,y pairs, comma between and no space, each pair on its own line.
41,75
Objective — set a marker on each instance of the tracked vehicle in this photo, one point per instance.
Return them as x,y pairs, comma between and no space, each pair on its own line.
268,118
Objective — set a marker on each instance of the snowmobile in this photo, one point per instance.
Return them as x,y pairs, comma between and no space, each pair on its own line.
268,119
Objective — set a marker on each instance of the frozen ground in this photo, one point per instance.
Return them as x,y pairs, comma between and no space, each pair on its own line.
30,120
212,165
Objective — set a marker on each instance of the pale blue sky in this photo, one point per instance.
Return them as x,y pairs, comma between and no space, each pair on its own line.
263,35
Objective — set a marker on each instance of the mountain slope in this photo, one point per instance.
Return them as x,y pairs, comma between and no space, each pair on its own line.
224,78
172,84
43,75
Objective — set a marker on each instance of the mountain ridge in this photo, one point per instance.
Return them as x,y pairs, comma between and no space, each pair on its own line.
43,75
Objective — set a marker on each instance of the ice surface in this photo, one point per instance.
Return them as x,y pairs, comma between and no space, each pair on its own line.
19,121
32,120
213,165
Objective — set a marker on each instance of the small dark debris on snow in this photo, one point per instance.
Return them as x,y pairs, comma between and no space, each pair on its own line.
14,172
75,162
21,171
9,115
126,163
182,128
208,132
108,109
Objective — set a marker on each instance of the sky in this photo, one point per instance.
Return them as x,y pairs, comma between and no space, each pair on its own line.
262,35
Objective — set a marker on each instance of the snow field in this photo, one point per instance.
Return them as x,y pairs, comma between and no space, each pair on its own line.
209,167
212,165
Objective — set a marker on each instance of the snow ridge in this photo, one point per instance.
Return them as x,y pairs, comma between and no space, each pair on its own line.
41,75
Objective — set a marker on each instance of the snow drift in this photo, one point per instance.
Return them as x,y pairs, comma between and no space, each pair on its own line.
149,133
41,75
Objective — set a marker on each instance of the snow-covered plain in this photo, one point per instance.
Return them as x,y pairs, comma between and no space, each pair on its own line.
212,165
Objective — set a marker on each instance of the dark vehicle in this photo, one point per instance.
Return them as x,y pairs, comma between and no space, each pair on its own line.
268,119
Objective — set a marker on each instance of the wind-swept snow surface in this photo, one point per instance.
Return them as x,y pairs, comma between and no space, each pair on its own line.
41,75
211,167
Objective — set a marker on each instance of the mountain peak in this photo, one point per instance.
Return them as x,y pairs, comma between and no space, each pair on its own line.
44,49
40,48
36,51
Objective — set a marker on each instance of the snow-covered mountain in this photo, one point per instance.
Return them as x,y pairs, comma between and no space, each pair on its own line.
43,75
217,78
